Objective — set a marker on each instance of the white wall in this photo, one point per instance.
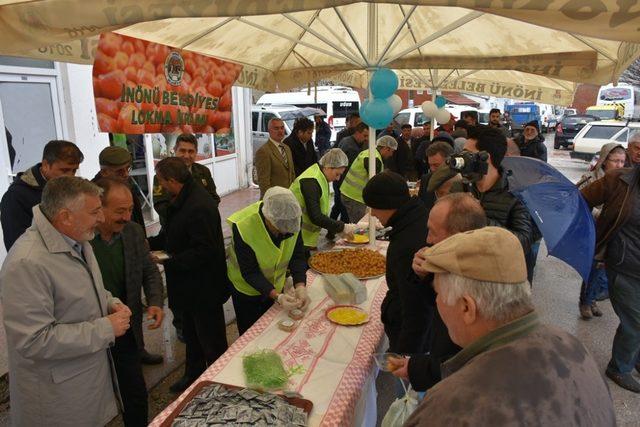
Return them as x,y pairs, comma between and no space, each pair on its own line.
242,101
81,119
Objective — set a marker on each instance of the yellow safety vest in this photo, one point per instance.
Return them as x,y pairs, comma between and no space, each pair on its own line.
311,231
357,177
273,260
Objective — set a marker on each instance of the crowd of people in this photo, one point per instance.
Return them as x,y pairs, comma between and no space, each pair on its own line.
460,266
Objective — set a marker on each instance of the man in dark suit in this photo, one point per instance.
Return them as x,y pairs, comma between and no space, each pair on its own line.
196,269
301,145
126,268
273,161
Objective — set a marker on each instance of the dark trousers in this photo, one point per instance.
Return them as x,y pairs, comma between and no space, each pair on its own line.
338,211
624,293
133,389
205,337
597,284
249,309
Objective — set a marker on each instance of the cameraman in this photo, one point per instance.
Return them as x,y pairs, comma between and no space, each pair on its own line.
503,209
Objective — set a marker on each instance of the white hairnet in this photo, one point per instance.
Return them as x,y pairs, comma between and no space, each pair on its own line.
334,158
282,209
387,141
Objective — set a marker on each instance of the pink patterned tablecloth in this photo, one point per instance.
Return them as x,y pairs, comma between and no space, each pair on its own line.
336,360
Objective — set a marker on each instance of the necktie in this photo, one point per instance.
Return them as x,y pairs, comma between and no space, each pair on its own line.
284,155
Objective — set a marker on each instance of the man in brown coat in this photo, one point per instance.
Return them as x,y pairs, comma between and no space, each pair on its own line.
512,369
618,244
274,162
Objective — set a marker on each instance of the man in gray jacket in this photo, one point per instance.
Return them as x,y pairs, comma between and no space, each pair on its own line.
512,369
126,266
59,319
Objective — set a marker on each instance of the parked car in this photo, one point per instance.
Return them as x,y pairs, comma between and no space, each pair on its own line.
594,135
569,127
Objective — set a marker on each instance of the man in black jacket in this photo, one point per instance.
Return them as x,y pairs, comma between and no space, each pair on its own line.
502,208
301,145
196,270
59,158
452,214
405,311
531,143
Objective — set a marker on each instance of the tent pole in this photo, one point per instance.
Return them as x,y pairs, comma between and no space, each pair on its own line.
372,52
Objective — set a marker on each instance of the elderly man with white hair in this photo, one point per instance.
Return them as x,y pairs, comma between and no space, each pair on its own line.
512,369
358,175
60,320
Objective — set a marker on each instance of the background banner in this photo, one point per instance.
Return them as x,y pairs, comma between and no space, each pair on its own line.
145,87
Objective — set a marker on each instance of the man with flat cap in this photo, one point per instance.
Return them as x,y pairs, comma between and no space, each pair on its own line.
512,369
405,311
115,163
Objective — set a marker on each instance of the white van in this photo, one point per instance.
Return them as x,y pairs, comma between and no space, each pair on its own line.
336,101
415,117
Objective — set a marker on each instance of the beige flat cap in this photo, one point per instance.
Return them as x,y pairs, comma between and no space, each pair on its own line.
490,254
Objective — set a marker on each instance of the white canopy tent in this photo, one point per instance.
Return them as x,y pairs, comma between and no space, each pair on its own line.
536,49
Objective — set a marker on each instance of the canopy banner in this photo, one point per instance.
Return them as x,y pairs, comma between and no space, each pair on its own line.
497,89
144,87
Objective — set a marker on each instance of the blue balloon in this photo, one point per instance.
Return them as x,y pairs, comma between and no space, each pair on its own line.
363,106
377,113
440,101
384,83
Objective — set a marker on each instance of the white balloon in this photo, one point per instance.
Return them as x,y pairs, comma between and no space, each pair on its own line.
396,103
443,116
429,108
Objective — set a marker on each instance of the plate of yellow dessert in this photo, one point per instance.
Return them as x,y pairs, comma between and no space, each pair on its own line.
358,238
347,315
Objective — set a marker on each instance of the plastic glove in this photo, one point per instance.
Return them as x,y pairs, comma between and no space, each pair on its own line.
303,298
348,230
287,301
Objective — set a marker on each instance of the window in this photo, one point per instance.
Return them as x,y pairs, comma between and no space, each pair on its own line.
402,118
265,121
603,114
343,108
254,121
602,132
623,136
25,62
615,94
419,119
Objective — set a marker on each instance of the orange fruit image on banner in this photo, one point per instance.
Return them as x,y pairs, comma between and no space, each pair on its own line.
145,87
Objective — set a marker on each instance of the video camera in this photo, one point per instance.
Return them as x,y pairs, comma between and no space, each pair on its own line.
472,166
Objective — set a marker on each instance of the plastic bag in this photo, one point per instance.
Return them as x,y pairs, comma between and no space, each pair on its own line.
264,370
401,409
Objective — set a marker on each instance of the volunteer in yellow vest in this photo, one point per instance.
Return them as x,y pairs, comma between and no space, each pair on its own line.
311,189
266,241
358,176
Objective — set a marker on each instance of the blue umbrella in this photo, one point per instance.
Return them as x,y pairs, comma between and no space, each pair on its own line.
558,209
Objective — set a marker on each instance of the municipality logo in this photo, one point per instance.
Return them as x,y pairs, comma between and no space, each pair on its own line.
174,68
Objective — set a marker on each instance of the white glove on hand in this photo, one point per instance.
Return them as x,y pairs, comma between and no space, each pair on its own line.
348,230
302,297
287,301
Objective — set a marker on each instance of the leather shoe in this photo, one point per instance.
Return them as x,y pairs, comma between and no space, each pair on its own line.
181,385
595,310
147,358
585,312
625,381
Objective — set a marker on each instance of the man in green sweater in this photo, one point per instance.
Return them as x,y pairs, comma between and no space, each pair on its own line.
126,267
